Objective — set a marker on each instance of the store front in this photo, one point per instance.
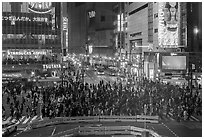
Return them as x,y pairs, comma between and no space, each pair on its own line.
29,56
54,70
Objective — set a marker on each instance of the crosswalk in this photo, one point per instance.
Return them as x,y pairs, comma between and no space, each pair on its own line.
24,120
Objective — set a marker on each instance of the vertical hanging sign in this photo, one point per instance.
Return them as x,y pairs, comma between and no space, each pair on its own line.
65,33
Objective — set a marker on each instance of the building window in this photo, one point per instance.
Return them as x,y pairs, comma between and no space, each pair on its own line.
156,30
136,34
103,18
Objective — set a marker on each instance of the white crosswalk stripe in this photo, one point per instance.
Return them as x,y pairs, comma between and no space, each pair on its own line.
33,119
194,118
20,120
8,119
23,119
26,120
13,120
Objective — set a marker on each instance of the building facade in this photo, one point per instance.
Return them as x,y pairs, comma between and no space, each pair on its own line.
91,28
154,28
31,35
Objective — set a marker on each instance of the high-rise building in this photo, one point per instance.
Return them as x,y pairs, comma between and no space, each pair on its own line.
153,28
31,35
91,27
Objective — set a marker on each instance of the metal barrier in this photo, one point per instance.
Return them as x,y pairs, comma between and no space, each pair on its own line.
60,120
106,130
148,119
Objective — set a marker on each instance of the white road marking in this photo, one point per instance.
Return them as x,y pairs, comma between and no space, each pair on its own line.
33,119
8,119
26,120
20,120
13,120
170,130
195,118
53,131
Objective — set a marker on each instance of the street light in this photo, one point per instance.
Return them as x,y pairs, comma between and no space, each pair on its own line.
195,30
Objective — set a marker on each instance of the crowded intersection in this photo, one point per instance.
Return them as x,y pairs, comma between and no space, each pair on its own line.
102,69
79,99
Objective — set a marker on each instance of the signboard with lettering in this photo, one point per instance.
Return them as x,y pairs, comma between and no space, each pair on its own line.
25,22
52,66
40,7
65,33
28,52
65,23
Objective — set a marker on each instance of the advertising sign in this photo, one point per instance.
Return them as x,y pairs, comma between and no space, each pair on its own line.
40,7
169,62
168,25
28,52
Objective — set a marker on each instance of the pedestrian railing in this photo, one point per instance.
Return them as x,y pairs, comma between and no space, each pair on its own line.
106,131
148,119
61,120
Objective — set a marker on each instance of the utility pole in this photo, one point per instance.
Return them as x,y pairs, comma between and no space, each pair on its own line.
120,30
120,33
62,48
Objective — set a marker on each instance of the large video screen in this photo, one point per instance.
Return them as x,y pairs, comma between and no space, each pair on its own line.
174,62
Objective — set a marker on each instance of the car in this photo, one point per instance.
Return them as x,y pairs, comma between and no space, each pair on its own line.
112,73
8,127
100,72
130,81
85,75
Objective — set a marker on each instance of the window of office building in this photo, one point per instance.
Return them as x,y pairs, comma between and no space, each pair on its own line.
156,30
103,18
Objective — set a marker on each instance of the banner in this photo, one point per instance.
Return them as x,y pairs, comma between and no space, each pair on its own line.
168,24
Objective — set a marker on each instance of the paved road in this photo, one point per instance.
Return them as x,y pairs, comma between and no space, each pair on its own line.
165,129
93,77
168,127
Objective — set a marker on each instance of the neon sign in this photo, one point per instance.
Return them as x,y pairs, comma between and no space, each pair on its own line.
92,14
40,7
51,66
23,18
27,52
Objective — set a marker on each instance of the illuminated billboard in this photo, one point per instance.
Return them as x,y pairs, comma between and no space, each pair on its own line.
36,18
173,61
40,7
168,24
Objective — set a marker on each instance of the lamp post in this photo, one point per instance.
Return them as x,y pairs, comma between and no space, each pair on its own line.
192,66
62,46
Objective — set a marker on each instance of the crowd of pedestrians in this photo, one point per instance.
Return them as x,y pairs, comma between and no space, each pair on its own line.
78,99
19,100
